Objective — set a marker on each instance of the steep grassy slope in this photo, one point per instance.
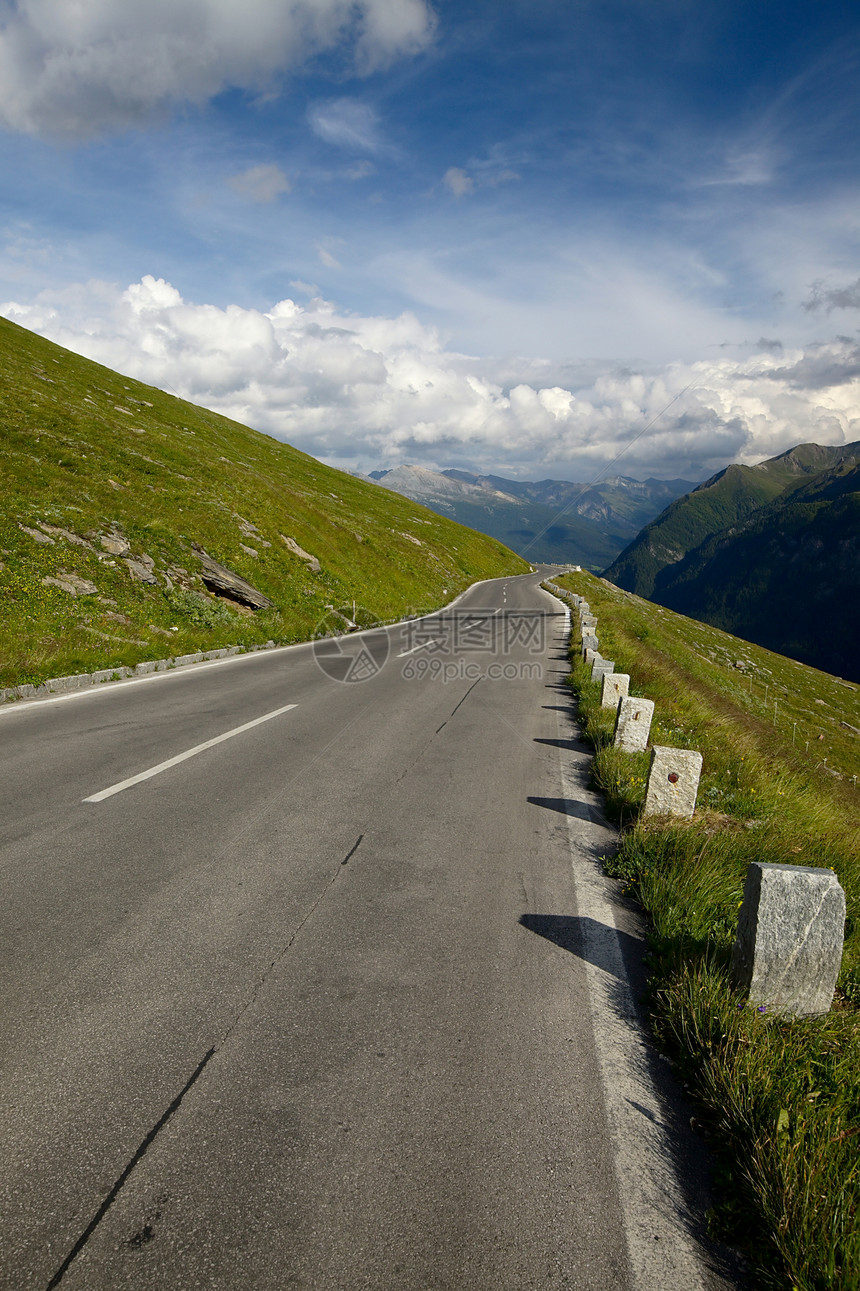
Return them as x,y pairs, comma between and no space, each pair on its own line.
726,500
99,470
788,579
780,783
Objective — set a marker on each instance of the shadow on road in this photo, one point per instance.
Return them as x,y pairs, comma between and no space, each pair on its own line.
583,937
570,807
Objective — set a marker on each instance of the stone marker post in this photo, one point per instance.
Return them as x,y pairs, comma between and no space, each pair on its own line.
633,724
673,782
600,666
589,642
615,687
789,945
589,653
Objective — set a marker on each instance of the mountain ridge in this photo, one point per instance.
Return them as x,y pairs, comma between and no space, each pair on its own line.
784,573
557,521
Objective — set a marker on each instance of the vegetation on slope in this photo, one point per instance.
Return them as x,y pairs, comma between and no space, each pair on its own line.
781,747
726,500
789,578
99,470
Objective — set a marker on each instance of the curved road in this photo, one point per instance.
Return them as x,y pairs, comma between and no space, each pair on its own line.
312,1006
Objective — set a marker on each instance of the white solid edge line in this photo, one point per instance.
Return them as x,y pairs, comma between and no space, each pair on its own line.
661,1251
181,757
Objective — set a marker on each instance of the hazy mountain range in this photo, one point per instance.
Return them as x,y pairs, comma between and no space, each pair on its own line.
556,521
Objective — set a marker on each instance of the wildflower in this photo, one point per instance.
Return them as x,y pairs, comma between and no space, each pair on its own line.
762,1008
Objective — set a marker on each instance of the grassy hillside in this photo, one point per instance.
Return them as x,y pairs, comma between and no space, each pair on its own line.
781,782
726,500
117,491
789,578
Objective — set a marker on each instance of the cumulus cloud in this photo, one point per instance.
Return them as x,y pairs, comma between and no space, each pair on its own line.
260,183
79,69
348,388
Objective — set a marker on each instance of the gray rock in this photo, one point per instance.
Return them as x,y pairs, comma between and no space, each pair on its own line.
36,534
224,582
788,948
139,572
114,544
601,666
589,641
71,583
633,724
55,531
312,562
673,782
615,687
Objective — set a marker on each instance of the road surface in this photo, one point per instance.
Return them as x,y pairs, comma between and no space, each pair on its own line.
322,1003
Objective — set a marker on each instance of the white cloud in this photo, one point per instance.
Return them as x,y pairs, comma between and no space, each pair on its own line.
76,70
347,387
260,183
361,170
458,180
326,257
346,123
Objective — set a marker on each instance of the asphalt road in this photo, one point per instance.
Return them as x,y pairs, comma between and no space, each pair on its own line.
309,1007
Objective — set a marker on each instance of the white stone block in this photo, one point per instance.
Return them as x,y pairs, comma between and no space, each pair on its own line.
673,782
589,655
789,944
600,666
633,724
615,686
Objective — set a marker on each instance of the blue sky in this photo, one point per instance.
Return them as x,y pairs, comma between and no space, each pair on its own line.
511,232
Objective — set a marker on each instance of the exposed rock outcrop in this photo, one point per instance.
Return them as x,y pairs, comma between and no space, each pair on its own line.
313,563
223,582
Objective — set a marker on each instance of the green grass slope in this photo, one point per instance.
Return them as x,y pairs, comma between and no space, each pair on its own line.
728,499
780,1098
789,578
98,470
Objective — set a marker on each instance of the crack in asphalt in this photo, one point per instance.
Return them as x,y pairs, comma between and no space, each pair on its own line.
149,1138
144,1147
406,770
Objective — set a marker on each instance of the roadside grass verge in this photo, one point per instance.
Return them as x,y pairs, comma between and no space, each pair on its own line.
781,748
87,454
